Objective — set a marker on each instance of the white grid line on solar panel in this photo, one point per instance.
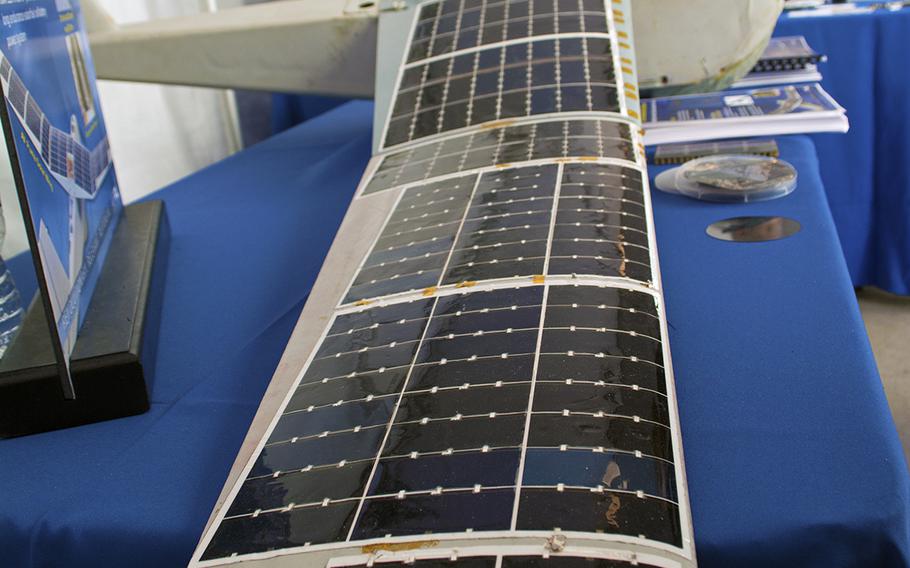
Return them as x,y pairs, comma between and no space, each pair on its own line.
467,386
580,139
498,89
528,412
479,24
476,232
515,121
485,416
278,474
389,427
477,488
473,358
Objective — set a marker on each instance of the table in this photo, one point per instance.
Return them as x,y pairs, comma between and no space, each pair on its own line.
867,171
792,457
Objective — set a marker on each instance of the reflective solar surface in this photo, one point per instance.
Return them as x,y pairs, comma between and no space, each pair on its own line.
588,138
552,219
439,415
528,78
456,25
496,367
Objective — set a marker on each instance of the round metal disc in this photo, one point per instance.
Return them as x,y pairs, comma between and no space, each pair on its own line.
753,229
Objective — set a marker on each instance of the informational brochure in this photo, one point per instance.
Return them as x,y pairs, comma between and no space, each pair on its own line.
789,109
61,157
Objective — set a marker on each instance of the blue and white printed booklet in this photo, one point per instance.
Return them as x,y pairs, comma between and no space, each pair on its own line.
790,109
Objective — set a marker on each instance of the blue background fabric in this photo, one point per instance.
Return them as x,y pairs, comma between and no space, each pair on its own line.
867,171
791,453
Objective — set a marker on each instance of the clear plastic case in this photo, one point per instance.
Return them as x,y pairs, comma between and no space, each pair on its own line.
730,179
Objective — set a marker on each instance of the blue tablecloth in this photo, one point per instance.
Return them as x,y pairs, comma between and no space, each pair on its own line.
867,171
792,456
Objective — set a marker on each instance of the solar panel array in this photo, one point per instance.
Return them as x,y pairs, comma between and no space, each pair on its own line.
539,140
497,367
550,219
419,417
62,154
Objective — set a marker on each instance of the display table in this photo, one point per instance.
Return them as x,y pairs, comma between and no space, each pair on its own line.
867,171
792,456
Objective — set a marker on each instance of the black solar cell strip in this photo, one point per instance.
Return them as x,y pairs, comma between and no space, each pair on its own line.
484,320
271,531
570,248
414,245
435,514
489,344
334,418
457,26
602,216
316,451
301,487
514,368
604,342
590,397
401,331
584,468
608,232
505,231
552,139
16,93
609,433
476,400
602,180
33,116
560,367
607,512
597,296
463,434
319,393
360,361
494,468
522,79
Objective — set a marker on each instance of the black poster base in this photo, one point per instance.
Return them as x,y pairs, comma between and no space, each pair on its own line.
116,345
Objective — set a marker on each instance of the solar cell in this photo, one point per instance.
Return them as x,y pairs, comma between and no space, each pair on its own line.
5,68
511,222
532,77
16,93
33,116
585,138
